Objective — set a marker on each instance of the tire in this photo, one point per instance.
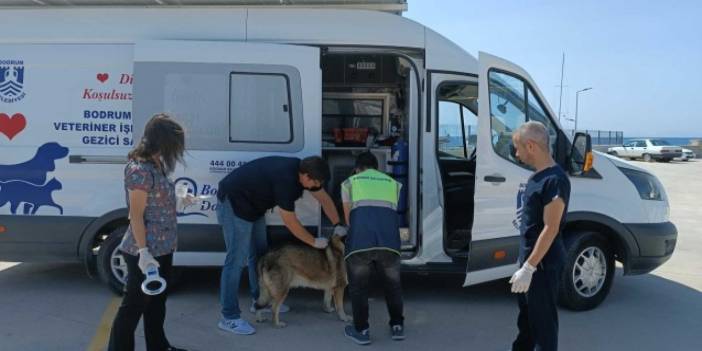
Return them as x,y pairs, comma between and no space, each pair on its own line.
647,158
666,160
111,266
113,270
582,288
614,153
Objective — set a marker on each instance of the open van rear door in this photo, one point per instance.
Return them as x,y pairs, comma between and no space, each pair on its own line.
238,101
507,98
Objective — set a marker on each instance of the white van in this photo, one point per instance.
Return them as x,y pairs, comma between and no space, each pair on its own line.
78,84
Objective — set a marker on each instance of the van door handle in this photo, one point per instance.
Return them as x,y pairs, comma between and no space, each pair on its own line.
495,179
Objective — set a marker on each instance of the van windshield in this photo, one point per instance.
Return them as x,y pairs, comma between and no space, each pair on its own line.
657,142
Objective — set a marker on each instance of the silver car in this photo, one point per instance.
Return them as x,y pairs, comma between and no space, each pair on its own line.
647,150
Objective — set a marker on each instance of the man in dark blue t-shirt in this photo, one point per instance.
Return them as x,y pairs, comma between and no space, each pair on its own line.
245,195
541,207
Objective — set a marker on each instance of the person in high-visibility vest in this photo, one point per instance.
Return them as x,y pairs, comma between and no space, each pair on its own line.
370,202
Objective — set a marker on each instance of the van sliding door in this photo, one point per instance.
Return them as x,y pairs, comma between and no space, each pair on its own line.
238,102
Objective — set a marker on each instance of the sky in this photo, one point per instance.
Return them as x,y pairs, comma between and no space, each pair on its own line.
642,59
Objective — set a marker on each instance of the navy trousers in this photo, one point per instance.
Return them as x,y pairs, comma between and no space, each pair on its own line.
538,314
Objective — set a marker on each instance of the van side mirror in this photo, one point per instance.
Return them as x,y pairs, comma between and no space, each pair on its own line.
580,158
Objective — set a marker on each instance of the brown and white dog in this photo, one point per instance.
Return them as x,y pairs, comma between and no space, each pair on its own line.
297,266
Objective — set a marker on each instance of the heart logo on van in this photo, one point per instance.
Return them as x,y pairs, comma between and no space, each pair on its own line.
11,126
102,77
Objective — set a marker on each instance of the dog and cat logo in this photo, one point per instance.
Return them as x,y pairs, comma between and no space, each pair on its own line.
192,189
11,81
26,183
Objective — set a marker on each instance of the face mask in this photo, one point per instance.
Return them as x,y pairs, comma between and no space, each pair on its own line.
316,188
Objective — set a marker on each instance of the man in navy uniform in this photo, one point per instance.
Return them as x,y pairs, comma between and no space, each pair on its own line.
541,207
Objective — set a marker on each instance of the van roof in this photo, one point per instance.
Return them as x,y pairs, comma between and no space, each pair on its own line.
312,26
392,6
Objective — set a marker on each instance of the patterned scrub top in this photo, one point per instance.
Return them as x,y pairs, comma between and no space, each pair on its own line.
160,212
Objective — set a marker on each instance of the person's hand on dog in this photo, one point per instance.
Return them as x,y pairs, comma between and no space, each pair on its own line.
340,230
321,243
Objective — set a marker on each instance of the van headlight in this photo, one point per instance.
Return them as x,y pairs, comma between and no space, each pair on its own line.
646,184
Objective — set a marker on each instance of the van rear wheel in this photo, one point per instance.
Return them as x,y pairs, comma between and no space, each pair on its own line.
588,272
111,266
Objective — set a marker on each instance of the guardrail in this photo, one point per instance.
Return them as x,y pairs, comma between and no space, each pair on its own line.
603,137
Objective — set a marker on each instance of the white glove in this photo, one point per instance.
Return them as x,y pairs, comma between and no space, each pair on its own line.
340,230
320,243
521,279
183,202
145,260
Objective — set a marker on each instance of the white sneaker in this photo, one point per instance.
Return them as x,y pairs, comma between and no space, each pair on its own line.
236,326
283,308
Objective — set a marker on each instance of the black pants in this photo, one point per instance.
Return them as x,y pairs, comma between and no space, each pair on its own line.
135,304
538,314
358,267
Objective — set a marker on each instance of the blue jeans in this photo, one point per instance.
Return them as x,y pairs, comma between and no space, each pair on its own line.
245,242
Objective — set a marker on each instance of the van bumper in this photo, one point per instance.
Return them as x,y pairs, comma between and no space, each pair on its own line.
666,156
656,243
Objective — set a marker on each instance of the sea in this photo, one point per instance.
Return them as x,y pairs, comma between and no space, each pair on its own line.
455,141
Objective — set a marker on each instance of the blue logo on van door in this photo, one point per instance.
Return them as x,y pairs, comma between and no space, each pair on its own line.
202,206
11,80
26,182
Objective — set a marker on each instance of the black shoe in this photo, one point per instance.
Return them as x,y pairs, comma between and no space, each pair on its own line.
398,332
361,338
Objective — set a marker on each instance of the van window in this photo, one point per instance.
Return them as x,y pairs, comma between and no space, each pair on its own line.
226,107
259,108
512,103
451,139
470,128
536,113
507,111
458,120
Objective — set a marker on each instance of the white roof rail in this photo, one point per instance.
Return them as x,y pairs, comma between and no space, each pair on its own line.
392,6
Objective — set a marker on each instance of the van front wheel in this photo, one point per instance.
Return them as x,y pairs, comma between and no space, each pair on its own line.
110,262
588,272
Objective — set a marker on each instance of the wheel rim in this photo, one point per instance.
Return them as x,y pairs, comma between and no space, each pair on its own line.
118,266
647,158
589,271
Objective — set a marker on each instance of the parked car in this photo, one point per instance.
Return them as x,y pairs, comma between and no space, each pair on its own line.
647,150
687,155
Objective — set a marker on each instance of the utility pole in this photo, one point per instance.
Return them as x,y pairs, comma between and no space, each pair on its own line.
576,108
560,97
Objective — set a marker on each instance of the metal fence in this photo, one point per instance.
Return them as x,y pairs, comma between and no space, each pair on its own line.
603,137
